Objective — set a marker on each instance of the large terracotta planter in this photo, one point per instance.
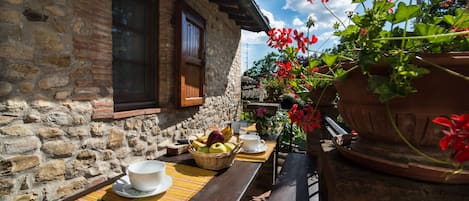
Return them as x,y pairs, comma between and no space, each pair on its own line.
439,93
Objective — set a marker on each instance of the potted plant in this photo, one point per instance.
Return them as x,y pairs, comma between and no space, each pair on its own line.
395,70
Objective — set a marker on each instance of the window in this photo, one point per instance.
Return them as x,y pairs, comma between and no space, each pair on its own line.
190,56
134,53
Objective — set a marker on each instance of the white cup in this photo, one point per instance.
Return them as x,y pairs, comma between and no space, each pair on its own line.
146,175
251,142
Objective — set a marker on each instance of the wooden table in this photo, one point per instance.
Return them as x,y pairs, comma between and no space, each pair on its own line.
229,184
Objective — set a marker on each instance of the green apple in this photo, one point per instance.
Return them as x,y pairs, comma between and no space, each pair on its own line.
229,146
218,148
202,149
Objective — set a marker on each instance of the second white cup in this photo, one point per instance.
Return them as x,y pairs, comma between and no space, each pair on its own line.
251,142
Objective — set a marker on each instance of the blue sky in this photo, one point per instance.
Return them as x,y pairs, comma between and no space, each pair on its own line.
294,14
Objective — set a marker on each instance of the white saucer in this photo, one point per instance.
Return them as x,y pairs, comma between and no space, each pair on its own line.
261,148
123,188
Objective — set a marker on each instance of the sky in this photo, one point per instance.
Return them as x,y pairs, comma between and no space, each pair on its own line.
294,14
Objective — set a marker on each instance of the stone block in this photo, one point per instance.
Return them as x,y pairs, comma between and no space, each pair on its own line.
53,170
6,185
16,51
18,163
59,118
50,132
5,88
14,107
122,153
72,186
43,105
6,119
60,60
26,87
115,138
80,107
32,118
87,155
10,16
47,40
108,155
97,129
62,95
26,197
94,143
21,72
58,149
79,131
53,81
21,145
16,130
55,10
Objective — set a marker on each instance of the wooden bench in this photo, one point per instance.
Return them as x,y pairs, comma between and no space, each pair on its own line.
298,179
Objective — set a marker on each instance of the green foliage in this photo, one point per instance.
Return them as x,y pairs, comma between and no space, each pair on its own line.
263,67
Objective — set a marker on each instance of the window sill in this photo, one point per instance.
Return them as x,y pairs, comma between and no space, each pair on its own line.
132,113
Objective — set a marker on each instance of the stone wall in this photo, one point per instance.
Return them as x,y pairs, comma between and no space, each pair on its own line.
58,132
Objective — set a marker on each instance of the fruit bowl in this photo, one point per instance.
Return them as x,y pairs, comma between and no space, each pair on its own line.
213,151
214,161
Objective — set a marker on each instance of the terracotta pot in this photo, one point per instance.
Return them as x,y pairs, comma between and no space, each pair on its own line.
439,93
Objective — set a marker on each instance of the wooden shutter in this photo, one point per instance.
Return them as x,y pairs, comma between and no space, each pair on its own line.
190,45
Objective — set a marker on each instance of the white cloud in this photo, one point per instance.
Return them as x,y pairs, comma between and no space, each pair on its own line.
272,21
253,37
298,22
323,19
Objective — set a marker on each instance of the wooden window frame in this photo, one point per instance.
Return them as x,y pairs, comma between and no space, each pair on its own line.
184,13
148,99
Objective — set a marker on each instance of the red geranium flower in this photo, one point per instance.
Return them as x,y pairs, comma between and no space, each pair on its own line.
457,137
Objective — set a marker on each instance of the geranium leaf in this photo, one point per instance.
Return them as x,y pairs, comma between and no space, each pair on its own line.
313,63
358,1
432,29
405,12
449,19
329,59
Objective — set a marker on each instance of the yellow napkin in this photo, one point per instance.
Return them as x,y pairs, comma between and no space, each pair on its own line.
257,157
251,128
187,181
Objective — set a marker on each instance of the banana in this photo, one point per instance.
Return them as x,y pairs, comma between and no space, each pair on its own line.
198,144
203,139
227,132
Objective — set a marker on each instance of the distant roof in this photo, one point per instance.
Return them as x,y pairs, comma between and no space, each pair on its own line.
245,13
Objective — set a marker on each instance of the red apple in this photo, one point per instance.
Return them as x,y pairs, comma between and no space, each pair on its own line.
214,137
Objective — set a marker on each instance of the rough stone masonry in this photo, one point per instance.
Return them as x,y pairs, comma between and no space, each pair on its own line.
58,134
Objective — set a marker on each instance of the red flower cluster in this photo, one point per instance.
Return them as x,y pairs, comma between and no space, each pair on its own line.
282,38
279,38
308,118
457,137
284,70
